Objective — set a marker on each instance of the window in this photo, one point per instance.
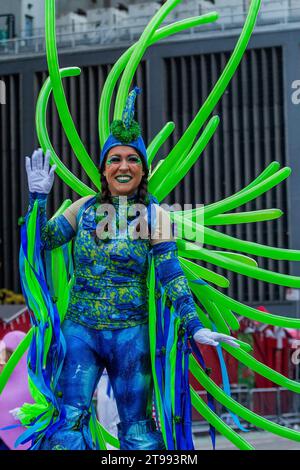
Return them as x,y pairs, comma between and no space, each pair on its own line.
28,26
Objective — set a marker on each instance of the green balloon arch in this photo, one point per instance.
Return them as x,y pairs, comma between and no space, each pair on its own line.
235,255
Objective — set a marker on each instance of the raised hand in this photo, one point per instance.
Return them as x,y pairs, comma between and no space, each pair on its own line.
212,338
40,179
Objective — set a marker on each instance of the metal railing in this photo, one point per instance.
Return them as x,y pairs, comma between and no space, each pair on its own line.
90,34
277,404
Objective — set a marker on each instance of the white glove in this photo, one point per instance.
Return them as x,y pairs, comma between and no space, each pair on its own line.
40,179
206,336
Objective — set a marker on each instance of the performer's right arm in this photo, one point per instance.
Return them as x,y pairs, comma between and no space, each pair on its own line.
61,229
54,232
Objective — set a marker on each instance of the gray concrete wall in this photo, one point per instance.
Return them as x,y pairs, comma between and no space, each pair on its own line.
20,8
65,6
13,7
287,39
37,11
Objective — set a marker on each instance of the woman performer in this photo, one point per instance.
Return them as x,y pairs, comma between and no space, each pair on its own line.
106,325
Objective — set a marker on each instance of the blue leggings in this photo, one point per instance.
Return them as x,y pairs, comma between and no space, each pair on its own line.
126,356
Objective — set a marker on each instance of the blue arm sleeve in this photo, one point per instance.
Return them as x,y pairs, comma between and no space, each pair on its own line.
55,232
174,282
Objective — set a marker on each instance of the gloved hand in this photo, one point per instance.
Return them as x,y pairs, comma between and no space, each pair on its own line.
40,179
212,338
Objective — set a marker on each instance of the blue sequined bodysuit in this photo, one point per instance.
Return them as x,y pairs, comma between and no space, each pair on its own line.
110,289
106,325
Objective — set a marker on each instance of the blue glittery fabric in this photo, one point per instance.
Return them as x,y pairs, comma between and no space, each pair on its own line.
128,112
110,289
106,325
54,232
175,284
127,117
89,351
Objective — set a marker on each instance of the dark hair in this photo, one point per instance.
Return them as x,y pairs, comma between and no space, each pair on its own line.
104,197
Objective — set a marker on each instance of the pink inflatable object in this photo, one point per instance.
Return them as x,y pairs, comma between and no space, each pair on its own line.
14,395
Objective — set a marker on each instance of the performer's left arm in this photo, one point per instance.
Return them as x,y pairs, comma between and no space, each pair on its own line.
175,284
170,273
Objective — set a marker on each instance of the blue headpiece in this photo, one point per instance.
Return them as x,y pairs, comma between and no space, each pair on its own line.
126,131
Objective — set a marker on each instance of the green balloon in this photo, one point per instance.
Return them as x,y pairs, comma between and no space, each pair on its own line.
219,298
243,197
221,240
185,143
208,324
43,136
204,410
213,312
219,307
14,359
270,170
262,369
138,53
193,272
60,98
116,71
109,438
238,264
159,140
245,217
235,407
36,301
161,185
190,250
152,340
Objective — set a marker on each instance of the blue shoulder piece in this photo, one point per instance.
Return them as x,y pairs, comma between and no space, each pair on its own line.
84,207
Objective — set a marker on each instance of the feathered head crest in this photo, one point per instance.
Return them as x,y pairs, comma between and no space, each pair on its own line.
126,131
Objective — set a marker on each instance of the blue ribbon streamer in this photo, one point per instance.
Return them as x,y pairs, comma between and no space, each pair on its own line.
210,399
40,376
226,384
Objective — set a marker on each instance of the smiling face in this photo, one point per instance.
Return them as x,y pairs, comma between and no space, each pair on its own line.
123,170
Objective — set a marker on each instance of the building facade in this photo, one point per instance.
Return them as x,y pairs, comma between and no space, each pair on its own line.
259,124
28,17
